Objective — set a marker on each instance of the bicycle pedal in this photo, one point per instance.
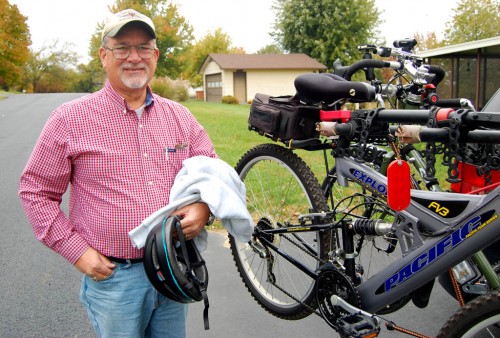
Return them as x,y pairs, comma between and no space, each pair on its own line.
358,326
356,322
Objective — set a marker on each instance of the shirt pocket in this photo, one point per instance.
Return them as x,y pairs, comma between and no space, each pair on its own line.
175,155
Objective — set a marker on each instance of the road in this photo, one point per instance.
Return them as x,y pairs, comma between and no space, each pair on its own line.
39,289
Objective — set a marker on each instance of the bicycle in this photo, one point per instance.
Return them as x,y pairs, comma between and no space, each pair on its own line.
303,253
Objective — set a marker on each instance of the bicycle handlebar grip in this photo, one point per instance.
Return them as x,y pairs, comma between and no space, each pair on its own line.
439,73
338,69
365,63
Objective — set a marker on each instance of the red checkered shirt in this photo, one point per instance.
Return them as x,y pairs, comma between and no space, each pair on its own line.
120,169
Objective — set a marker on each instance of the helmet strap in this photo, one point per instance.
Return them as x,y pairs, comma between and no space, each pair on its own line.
189,271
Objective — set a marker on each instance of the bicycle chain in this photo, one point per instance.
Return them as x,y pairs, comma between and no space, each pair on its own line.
301,248
310,308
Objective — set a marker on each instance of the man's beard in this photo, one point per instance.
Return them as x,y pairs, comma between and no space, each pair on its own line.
134,82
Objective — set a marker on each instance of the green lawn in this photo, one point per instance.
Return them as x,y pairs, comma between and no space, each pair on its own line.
227,126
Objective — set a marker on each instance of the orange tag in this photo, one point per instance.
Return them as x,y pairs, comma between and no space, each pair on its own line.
398,185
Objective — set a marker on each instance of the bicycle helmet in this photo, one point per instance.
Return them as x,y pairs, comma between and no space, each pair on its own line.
174,265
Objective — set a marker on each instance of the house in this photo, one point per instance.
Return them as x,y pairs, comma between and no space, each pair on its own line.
244,75
472,69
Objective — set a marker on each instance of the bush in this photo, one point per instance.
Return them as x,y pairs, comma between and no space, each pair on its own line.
229,99
176,90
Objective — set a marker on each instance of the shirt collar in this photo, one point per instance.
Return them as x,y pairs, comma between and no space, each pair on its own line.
109,90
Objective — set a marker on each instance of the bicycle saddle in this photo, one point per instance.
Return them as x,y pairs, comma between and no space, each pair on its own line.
328,88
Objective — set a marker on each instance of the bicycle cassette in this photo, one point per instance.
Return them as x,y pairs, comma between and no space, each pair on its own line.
333,284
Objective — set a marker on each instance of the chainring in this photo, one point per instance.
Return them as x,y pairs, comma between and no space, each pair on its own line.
331,281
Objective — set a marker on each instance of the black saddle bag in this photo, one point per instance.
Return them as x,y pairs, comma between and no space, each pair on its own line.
283,118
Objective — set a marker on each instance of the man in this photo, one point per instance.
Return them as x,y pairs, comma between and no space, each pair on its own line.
119,150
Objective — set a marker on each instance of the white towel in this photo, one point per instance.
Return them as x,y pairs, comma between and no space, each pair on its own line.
213,182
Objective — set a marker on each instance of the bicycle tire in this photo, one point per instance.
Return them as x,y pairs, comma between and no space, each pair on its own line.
478,318
280,186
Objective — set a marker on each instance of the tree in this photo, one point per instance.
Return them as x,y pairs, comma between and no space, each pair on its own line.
174,35
213,42
14,41
46,59
429,41
90,77
270,49
473,20
326,29
58,80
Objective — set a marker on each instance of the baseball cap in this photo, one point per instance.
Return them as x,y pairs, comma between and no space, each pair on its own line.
118,20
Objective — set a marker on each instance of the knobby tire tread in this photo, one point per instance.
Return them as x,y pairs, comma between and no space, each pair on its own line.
470,314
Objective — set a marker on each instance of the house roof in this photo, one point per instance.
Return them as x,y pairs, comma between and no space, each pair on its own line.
263,61
490,46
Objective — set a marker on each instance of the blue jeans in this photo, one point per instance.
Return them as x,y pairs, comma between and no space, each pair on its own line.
127,305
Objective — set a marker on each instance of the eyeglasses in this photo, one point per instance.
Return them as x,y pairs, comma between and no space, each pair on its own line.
123,52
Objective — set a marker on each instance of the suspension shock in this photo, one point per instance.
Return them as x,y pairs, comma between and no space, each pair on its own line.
371,227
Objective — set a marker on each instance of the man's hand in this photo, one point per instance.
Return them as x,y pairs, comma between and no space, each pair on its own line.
193,218
94,264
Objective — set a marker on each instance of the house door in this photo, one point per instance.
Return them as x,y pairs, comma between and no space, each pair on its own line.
240,86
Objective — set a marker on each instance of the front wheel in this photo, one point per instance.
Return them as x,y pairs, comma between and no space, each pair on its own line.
280,187
478,318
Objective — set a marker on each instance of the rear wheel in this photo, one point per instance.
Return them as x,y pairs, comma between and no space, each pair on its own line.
280,187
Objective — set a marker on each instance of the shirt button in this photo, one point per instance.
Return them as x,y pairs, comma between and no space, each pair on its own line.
140,126
145,155
150,182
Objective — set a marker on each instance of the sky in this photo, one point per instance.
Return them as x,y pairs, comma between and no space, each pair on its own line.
247,22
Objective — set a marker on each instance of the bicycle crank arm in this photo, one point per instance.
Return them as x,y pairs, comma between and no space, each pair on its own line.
359,323
337,301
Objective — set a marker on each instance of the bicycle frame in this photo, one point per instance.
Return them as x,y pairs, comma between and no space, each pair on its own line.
460,224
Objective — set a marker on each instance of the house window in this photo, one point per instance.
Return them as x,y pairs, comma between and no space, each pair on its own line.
214,84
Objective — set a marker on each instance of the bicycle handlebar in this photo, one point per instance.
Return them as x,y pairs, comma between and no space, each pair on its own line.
407,61
370,63
438,72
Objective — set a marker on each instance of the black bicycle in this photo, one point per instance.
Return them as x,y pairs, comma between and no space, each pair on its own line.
359,259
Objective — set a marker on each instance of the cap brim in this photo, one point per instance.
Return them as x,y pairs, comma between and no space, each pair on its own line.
116,30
